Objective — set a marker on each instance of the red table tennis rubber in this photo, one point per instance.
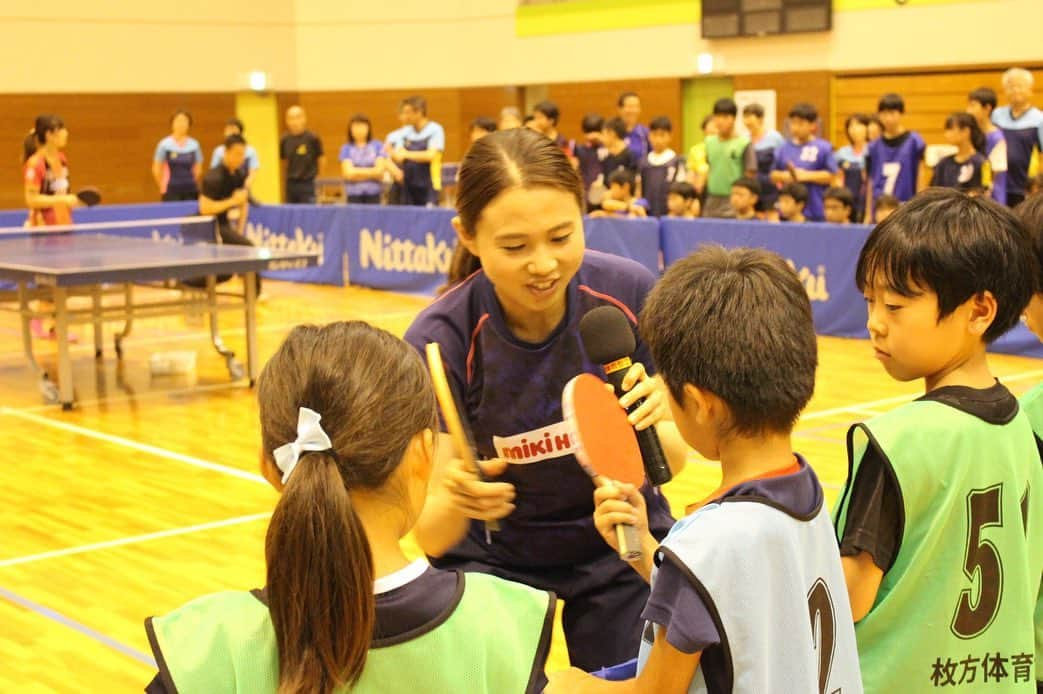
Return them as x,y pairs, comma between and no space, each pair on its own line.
606,446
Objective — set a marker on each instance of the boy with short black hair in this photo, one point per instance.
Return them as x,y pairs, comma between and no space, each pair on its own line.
682,201
480,127
805,159
1030,212
980,104
620,199
940,519
893,160
744,198
545,116
747,591
766,142
730,156
885,207
660,167
792,202
839,205
589,151
618,155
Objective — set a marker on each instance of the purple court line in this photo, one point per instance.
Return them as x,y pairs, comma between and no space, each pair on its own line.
76,626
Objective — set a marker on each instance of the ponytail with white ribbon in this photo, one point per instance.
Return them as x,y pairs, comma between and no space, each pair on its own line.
310,437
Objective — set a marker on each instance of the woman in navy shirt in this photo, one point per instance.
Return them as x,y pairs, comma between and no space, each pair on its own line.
362,163
178,163
509,336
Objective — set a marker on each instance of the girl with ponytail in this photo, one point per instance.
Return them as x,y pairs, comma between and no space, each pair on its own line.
348,423
508,329
966,170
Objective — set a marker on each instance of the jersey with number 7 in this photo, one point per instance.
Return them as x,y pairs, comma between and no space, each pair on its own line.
956,608
893,165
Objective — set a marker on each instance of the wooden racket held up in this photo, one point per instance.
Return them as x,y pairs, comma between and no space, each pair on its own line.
606,445
463,442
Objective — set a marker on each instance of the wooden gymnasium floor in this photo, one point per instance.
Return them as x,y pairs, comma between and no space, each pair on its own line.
147,494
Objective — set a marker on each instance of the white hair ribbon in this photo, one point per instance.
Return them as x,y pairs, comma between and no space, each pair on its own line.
310,437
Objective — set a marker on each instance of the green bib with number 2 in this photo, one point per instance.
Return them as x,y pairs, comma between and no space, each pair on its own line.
956,608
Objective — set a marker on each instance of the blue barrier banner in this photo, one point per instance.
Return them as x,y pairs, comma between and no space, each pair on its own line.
111,213
306,228
397,248
637,239
824,256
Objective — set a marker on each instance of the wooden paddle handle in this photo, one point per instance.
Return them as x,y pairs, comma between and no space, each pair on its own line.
629,542
626,535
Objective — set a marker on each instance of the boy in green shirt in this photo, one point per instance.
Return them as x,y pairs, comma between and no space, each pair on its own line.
730,156
941,520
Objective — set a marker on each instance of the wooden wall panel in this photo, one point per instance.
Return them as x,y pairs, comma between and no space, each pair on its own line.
659,97
790,89
929,96
112,137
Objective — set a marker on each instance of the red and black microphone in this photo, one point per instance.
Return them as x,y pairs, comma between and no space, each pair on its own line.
608,339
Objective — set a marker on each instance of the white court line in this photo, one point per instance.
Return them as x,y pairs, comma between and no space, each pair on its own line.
135,445
132,539
856,406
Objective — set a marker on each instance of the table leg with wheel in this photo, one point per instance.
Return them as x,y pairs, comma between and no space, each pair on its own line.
99,334
250,297
128,310
61,330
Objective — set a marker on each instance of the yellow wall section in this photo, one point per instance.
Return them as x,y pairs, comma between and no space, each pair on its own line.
260,116
306,45
579,16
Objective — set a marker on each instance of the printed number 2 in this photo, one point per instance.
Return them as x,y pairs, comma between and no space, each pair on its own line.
890,170
823,629
972,617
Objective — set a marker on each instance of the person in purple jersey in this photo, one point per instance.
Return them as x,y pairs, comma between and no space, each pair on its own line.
362,163
893,160
805,159
1022,126
629,109
980,104
509,336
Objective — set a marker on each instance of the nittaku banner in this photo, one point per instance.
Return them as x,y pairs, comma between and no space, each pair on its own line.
824,257
409,249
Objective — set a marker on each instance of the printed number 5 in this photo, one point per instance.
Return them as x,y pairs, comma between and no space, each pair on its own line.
890,171
972,617
823,629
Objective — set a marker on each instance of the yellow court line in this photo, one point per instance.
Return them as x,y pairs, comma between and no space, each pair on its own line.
133,539
130,443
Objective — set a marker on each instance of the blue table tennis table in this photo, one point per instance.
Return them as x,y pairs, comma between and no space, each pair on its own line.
58,264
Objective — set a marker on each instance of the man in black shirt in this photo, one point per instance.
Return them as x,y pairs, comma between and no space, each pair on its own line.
223,194
301,149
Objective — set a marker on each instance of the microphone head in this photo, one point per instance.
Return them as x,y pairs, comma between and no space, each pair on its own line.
607,334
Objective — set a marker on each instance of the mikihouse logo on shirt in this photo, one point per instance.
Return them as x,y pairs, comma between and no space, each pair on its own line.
553,441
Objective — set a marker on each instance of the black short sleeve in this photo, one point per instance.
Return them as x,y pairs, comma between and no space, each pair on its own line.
875,520
283,154
318,146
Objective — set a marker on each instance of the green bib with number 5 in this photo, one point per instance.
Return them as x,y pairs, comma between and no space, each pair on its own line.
956,608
